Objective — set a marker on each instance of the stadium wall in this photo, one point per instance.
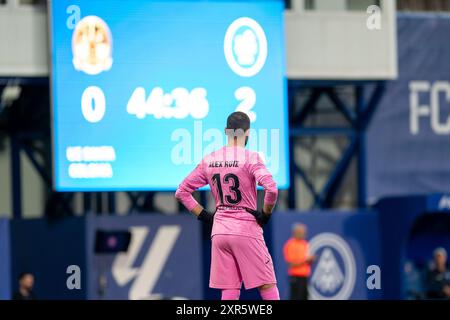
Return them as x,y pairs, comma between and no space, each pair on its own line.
399,217
345,243
163,259
361,254
47,248
169,256
407,140
5,265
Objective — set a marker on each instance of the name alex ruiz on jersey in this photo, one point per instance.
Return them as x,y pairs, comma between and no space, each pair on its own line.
223,164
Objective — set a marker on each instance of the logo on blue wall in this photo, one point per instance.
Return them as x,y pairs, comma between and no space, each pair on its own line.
334,274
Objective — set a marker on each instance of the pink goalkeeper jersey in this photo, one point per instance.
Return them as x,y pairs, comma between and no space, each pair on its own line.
232,173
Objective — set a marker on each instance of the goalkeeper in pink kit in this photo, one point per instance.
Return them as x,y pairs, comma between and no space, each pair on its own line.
239,253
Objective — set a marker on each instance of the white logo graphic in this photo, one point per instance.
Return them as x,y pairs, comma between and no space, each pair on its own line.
148,274
373,22
328,275
444,203
330,280
74,280
92,46
432,110
245,47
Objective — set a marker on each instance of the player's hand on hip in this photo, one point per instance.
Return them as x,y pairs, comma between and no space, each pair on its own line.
206,216
261,217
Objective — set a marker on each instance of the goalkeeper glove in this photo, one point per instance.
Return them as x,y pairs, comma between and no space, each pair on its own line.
261,217
206,216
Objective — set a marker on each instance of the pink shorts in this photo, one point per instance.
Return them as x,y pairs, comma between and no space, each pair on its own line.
236,259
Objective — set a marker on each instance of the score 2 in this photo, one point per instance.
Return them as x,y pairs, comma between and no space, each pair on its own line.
247,97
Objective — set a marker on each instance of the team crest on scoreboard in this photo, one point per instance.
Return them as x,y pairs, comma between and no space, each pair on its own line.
92,46
245,47
334,274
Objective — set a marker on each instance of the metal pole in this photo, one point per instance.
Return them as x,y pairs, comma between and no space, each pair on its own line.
98,203
291,191
87,203
16,177
361,136
112,203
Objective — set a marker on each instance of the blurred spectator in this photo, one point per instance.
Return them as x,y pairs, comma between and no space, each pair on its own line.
413,282
438,277
296,254
26,283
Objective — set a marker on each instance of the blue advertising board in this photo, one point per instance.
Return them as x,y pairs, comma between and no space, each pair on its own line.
47,248
5,258
346,246
141,89
163,259
407,140
399,217
169,256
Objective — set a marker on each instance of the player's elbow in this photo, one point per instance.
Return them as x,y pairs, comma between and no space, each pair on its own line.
271,193
274,191
272,188
179,194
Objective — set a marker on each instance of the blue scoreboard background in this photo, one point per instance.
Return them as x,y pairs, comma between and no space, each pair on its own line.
141,89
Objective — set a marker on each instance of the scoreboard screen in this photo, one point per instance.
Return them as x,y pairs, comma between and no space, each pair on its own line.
141,89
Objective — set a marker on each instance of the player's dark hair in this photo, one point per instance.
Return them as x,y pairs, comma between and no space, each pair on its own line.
238,120
23,274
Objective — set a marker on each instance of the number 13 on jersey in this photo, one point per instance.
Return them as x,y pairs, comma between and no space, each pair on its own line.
229,191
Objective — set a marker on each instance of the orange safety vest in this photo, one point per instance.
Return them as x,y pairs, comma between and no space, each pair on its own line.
296,251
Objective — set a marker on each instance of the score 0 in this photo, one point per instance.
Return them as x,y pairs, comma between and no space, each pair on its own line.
93,104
